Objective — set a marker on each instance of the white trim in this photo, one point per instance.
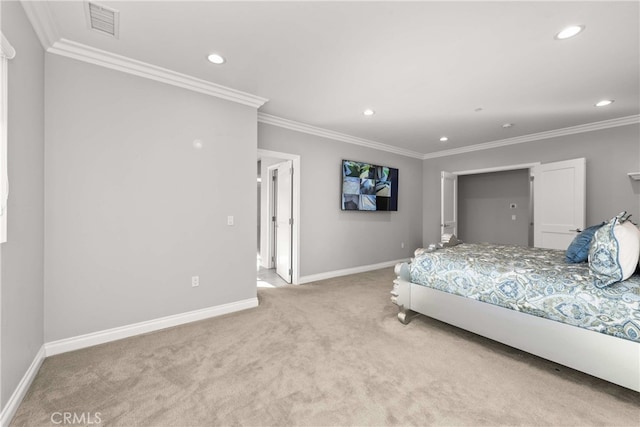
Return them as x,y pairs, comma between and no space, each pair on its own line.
278,170
15,400
44,25
6,50
277,154
270,209
39,15
296,206
498,169
336,136
348,271
325,133
101,337
448,225
102,58
634,175
4,155
588,127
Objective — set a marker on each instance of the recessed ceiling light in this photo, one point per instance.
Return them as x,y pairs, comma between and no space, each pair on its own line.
368,112
444,139
569,32
216,59
604,103
507,125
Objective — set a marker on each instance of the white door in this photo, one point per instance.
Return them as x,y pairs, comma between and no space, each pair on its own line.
284,220
559,202
448,203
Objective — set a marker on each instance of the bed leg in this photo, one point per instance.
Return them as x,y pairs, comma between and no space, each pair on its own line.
405,315
401,293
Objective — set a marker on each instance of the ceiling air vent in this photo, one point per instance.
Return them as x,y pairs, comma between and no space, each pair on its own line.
103,19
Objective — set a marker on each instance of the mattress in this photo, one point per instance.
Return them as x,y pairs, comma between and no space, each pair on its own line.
534,281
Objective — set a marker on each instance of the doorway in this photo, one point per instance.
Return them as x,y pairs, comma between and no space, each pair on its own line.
282,218
278,218
495,207
558,200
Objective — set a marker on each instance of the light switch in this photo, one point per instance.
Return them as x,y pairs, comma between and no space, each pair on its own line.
230,220
513,217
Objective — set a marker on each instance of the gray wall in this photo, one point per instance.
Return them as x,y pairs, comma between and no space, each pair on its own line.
484,207
331,239
132,209
610,153
21,292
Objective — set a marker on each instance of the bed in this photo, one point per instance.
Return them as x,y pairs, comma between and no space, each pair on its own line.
530,299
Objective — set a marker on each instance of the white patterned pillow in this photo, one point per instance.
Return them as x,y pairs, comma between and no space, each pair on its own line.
614,252
628,237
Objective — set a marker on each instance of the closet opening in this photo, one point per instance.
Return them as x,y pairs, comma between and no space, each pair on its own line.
496,207
487,207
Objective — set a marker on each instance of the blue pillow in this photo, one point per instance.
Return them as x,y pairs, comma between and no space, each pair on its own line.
578,250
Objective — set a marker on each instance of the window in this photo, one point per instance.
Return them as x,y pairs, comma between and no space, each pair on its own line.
6,52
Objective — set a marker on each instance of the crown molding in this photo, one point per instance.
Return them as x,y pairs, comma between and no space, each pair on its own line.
337,136
6,50
81,52
589,127
39,15
325,133
41,19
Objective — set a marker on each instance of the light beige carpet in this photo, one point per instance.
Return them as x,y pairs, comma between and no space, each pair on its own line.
331,353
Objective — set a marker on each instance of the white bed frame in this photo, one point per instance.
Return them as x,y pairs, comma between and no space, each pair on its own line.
616,360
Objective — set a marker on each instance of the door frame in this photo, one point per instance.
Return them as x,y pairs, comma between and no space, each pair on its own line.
282,185
446,222
498,169
295,241
272,201
529,166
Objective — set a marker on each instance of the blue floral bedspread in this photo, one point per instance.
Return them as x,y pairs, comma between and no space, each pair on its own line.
534,281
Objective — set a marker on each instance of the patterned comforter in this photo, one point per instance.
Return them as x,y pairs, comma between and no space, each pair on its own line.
534,281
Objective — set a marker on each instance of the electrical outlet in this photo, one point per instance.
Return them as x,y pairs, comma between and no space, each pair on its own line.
195,281
230,220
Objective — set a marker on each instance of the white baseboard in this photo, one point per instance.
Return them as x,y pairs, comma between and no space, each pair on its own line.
347,271
101,337
16,398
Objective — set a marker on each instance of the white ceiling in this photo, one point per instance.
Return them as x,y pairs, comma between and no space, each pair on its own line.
424,67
